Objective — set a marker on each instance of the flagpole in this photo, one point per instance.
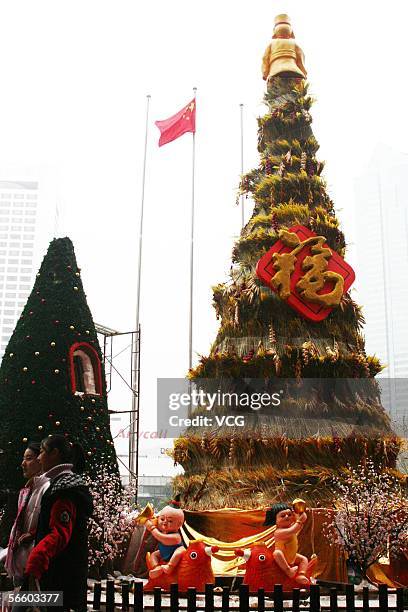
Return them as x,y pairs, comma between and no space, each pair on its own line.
190,339
241,106
134,415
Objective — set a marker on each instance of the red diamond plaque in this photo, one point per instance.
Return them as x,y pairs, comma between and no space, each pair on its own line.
311,278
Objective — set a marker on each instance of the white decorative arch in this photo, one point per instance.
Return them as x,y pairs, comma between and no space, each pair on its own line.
87,373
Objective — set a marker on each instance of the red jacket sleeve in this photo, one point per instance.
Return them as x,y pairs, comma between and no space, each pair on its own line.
62,521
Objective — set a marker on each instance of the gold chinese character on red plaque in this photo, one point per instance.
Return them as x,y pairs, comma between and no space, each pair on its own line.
305,272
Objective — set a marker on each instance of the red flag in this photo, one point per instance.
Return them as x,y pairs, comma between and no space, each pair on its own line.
178,124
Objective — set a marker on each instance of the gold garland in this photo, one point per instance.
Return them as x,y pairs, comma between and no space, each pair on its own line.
225,561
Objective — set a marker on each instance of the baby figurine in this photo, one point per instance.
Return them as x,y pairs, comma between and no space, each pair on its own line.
288,525
166,531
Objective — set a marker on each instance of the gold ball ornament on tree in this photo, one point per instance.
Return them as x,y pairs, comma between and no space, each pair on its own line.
57,423
75,288
25,439
52,344
56,371
25,369
82,409
72,327
40,427
36,353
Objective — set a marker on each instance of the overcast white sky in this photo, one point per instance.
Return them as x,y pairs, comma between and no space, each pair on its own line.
74,77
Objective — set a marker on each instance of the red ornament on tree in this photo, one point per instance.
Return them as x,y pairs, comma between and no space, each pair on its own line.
275,224
248,356
310,167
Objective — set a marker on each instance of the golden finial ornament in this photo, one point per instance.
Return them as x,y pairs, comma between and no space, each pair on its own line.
147,514
299,506
283,56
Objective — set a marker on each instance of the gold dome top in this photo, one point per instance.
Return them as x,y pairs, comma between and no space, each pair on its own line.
282,19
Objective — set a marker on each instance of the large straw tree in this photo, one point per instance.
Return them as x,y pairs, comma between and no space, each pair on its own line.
298,447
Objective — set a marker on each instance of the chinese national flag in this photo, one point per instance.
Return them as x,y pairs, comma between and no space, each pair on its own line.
178,124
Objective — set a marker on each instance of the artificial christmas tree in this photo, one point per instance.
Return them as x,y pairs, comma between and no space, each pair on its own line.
312,436
52,378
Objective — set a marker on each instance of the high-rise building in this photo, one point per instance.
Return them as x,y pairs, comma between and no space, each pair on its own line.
381,215
26,227
18,216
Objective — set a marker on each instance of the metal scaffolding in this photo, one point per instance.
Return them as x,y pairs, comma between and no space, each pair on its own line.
108,336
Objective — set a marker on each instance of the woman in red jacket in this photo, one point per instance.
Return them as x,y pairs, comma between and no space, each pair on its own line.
59,560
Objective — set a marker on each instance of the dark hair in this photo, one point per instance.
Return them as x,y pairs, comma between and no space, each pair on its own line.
35,447
70,452
273,511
